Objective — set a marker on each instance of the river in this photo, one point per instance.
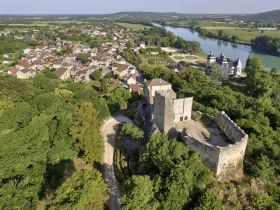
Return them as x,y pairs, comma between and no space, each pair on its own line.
231,50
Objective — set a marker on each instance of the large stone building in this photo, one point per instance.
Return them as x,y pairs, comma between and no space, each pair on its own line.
231,67
166,108
219,141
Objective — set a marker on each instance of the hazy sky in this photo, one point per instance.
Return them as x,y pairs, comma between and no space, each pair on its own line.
112,6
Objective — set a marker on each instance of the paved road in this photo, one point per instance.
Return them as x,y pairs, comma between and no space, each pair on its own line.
109,132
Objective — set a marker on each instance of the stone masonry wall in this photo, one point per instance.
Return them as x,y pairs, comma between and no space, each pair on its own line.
231,157
221,160
232,131
209,153
182,108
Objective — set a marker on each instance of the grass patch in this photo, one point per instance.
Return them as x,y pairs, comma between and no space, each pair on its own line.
236,85
202,54
178,57
200,62
133,26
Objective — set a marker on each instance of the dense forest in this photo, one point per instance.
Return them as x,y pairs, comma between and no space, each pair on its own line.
267,44
45,123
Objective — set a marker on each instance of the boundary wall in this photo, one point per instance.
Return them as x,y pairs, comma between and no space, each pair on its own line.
221,160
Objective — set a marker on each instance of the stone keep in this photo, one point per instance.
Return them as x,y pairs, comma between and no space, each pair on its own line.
168,110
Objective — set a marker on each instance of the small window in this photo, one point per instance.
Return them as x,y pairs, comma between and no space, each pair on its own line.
186,118
181,118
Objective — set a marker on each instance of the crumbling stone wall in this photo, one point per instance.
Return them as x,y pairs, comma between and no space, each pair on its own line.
232,131
209,153
221,160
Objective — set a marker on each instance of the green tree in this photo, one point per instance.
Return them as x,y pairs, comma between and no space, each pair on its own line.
83,57
103,89
22,180
83,190
216,74
95,44
134,132
86,131
129,45
33,43
96,75
209,201
220,33
193,47
138,194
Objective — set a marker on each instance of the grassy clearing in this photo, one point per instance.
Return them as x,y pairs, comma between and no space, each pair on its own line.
202,54
179,57
155,66
200,62
236,85
133,26
177,53
92,84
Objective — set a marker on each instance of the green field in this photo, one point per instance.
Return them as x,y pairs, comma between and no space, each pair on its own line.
133,26
244,33
33,24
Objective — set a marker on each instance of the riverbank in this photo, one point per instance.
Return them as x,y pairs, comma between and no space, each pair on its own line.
206,33
229,49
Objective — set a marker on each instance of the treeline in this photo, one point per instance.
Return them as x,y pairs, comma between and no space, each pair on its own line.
134,21
220,35
267,44
45,123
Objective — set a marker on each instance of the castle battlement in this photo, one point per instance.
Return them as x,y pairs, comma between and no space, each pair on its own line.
231,129
220,159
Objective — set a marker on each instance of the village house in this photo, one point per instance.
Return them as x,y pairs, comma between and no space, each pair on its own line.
120,70
25,73
130,79
13,72
134,88
183,65
62,73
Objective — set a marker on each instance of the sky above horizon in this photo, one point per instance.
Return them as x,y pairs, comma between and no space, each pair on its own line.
109,6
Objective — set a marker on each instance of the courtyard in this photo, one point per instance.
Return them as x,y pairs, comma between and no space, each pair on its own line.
205,130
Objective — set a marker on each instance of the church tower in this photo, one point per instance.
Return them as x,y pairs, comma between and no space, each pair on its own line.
210,59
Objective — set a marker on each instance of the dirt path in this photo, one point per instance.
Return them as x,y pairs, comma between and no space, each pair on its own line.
109,132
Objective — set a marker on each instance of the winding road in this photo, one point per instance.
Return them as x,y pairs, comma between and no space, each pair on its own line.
109,132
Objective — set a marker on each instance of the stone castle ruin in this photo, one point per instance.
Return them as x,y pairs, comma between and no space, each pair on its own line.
219,141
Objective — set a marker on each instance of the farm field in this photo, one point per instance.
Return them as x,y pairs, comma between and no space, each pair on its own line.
33,24
133,26
244,33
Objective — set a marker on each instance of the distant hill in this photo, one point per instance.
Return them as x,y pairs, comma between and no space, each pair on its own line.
265,16
139,15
